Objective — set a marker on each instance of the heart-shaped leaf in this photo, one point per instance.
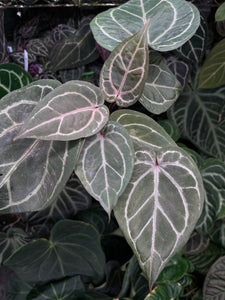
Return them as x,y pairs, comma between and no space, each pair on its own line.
105,164
73,110
73,249
37,48
142,128
200,115
161,88
124,73
213,175
214,282
32,175
75,50
212,73
160,205
12,77
178,21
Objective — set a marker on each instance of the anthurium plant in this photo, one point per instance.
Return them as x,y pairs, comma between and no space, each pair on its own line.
146,147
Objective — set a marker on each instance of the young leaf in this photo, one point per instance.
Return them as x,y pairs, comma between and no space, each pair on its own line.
142,128
73,249
105,164
12,77
212,73
161,88
160,205
73,110
213,175
178,21
214,282
220,13
199,115
32,174
124,73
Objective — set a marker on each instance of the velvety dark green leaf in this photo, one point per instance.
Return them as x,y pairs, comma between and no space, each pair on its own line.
72,111
32,175
73,249
194,49
62,31
143,213
68,289
213,175
178,22
75,50
161,88
196,244
10,241
199,115
214,288
166,292
218,233
171,128
198,159
124,73
70,201
96,216
203,260
17,288
105,164
212,73
12,77
220,13
142,128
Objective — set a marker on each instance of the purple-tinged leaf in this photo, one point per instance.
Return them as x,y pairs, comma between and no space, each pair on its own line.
124,73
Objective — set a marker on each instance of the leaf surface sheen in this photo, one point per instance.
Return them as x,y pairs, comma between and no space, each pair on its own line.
105,164
124,73
178,22
32,173
72,111
160,205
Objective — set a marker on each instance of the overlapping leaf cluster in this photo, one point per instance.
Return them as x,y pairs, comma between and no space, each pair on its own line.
164,195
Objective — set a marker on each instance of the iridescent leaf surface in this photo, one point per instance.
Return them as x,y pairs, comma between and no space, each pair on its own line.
72,111
105,164
32,174
124,73
178,22
160,205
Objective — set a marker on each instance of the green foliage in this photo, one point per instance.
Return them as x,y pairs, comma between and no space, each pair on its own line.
112,182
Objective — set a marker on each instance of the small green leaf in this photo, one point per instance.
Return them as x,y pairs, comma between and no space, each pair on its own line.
12,77
72,111
171,128
212,73
160,205
173,22
105,164
220,13
124,73
161,88
73,249
214,282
